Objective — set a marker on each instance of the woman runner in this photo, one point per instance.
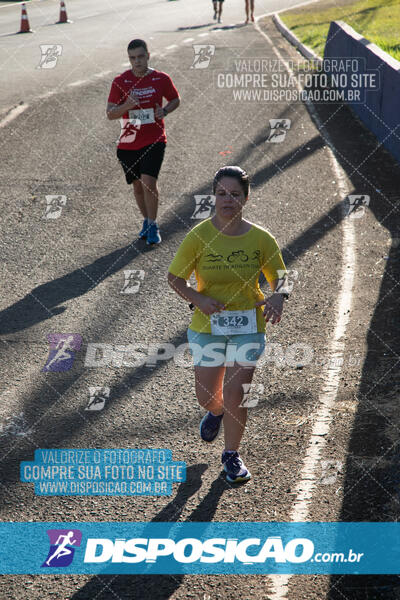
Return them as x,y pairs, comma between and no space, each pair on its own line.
227,254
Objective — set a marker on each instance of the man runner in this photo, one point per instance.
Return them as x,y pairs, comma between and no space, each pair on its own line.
136,98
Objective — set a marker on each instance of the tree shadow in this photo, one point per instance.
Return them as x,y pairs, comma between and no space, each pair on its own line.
45,301
29,311
227,27
193,27
159,587
372,480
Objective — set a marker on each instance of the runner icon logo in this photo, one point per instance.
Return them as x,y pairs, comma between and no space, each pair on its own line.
330,469
286,280
250,397
355,205
50,54
54,206
202,55
204,205
62,547
133,279
129,130
98,396
62,351
279,128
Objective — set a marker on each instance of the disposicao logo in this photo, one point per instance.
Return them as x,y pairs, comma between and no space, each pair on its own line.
190,550
62,547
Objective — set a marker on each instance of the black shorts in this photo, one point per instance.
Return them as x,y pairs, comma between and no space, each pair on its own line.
146,161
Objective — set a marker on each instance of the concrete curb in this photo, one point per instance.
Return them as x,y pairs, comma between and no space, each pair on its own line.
294,40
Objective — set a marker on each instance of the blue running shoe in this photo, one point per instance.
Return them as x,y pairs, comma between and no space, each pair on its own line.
143,232
210,426
153,234
236,471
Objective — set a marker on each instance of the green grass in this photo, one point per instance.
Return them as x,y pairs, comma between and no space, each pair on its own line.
377,20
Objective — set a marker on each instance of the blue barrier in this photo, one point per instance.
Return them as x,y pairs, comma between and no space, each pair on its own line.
379,109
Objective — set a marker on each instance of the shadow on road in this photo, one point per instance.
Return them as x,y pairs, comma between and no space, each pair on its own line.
53,294
159,587
45,301
372,478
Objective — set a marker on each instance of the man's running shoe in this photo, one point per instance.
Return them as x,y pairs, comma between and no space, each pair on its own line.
153,234
143,232
236,470
210,426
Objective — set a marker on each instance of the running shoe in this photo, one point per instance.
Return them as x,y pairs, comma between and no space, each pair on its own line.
236,470
153,234
210,426
143,232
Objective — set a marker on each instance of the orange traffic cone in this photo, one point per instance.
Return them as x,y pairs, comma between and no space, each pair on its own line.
63,14
24,21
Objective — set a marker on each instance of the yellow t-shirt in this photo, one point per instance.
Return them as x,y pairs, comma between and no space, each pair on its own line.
227,268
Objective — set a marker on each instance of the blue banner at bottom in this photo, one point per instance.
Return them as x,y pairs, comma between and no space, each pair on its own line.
200,548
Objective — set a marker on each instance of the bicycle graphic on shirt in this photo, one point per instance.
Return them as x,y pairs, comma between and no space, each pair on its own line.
237,255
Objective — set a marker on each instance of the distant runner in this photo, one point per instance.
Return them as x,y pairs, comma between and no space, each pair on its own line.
136,98
218,9
227,332
249,10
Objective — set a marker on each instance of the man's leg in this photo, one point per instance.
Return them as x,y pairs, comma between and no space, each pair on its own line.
139,197
220,4
150,196
247,11
252,9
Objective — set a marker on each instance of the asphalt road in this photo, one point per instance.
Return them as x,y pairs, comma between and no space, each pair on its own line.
66,275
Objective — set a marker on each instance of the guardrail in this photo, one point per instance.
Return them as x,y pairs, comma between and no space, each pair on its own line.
379,108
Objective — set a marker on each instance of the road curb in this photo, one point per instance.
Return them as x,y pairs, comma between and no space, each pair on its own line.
294,40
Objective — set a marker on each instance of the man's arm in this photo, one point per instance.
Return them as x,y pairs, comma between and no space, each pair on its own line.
173,105
116,111
160,113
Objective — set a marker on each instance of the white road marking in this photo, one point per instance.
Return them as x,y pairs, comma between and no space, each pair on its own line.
203,34
15,3
102,74
187,40
172,46
77,83
322,418
14,112
88,16
278,12
46,95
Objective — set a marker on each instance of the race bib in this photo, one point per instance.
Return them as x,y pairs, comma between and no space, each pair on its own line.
144,115
234,322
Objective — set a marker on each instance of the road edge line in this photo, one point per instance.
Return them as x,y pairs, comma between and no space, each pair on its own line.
323,416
